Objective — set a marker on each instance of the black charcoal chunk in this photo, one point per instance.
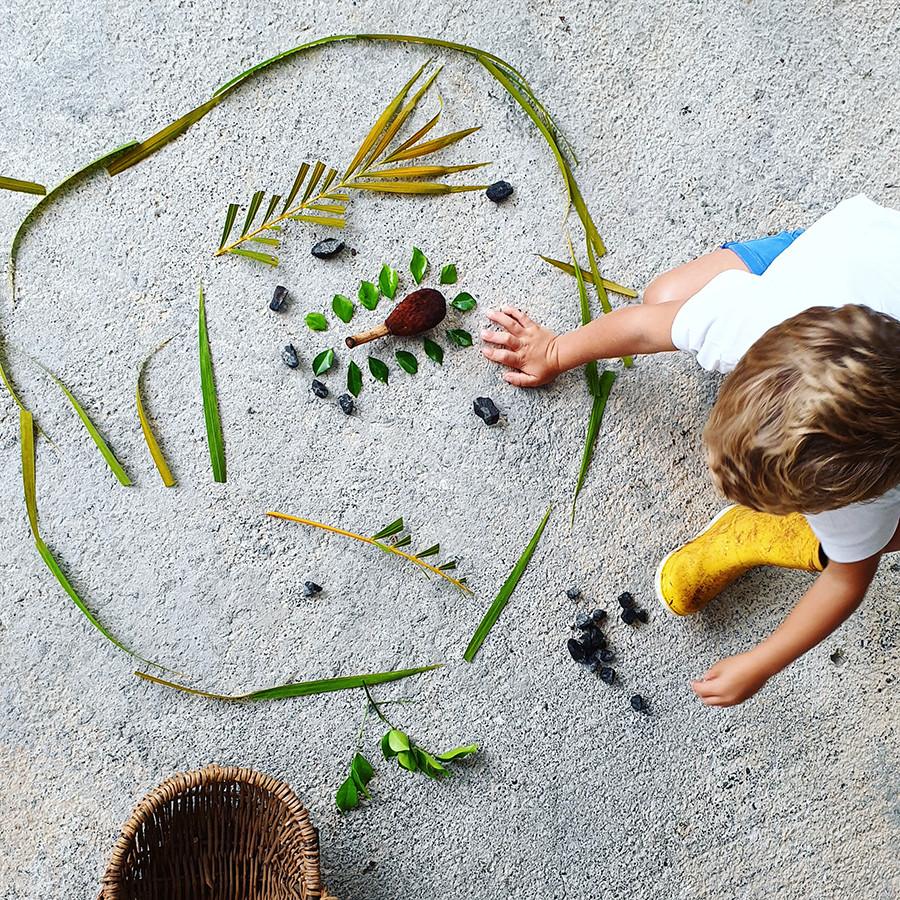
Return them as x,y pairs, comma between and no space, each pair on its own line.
499,191
279,298
327,248
289,356
486,409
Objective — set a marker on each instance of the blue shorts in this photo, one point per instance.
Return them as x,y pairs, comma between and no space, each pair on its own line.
758,254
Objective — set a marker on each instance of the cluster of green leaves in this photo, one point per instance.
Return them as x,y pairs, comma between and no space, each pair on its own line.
369,295
380,164
395,745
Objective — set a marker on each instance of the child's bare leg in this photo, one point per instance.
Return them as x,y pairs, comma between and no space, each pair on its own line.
684,281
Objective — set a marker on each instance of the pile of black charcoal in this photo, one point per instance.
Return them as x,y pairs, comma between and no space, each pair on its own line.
591,647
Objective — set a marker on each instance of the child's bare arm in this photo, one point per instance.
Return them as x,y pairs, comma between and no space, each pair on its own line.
535,355
837,592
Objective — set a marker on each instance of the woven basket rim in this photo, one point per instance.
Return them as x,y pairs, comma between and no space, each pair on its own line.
183,781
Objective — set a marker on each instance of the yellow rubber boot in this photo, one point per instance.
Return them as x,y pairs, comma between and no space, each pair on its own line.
736,540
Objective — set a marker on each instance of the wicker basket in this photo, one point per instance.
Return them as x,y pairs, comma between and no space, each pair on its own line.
220,833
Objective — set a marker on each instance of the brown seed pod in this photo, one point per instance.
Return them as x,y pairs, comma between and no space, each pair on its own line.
414,314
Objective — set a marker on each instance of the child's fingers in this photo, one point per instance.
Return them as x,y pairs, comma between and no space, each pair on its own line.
504,321
504,357
503,338
517,314
520,379
704,688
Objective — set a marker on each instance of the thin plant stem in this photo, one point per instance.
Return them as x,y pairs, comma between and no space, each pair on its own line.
372,542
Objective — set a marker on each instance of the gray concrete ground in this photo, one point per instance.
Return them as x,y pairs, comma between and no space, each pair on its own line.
695,123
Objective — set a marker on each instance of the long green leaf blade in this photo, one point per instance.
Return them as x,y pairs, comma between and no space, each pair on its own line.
426,148
252,211
117,468
42,204
22,187
140,152
29,485
598,406
214,436
302,688
589,277
627,361
502,598
255,255
298,183
159,458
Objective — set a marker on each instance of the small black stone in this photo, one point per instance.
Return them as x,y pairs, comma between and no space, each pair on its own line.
607,675
346,402
327,248
638,703
276,304
577,650
310,589
499,191
606,656
573,593
642,615
598,615
594,639
289,356
625,599
583,621
629,616
319,389
486,409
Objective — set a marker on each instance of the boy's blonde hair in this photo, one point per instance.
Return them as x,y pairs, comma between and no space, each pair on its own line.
809,420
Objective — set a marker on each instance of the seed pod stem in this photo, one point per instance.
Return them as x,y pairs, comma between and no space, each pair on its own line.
372,335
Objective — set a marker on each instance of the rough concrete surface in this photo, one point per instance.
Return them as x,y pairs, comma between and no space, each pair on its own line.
695,123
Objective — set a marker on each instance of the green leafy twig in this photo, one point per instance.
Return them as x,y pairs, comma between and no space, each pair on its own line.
598,406
301,688
379,540
505,592
210,399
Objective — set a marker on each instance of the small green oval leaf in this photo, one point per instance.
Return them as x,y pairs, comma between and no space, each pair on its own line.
343,307
408,760
354,379
448,274
315,321
418,265
378,369
397,740
368,295
464,302
458,752
388,279
434,351
323,362
347,797
407,361
460,337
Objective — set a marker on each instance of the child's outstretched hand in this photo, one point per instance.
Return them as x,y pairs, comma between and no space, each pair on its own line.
526,348
731,680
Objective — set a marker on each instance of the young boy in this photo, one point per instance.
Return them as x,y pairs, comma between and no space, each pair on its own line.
804,434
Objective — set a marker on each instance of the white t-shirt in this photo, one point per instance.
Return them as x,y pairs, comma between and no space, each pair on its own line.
850,255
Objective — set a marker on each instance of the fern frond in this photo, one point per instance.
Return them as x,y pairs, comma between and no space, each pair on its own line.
323,196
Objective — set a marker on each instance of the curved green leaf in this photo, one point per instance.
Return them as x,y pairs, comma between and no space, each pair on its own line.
354,379
368,295
343,307
387,281
448,274
505,592
434,351
418,265
460,337
378,369
407,361
464,302
214,438
315,321
323,362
